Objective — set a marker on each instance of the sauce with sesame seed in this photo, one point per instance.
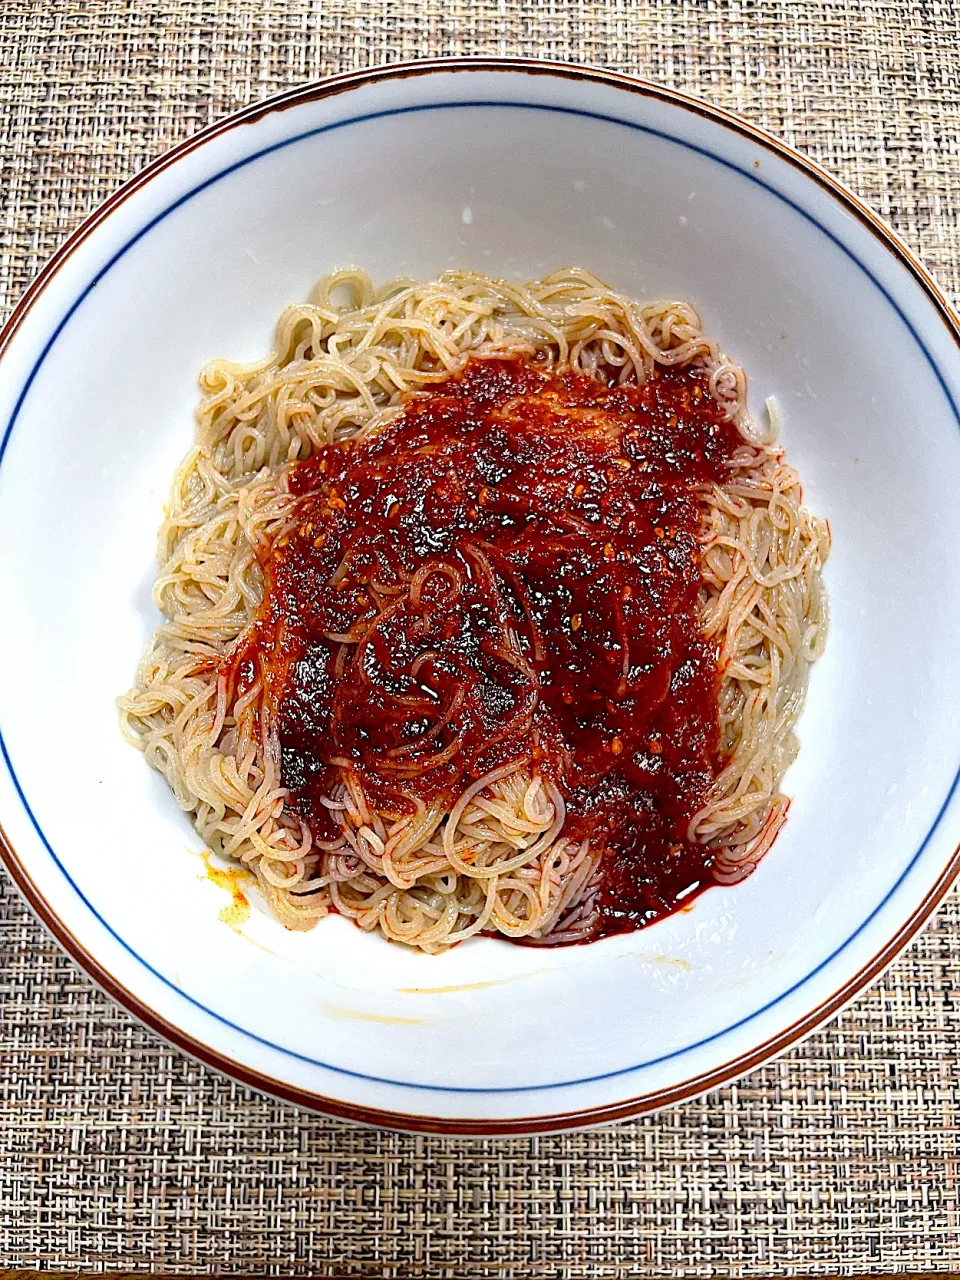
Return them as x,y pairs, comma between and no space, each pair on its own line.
508,571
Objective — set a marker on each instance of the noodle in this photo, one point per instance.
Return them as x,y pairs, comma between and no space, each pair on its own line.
497,859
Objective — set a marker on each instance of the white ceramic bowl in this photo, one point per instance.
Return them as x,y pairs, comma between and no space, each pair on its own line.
515,169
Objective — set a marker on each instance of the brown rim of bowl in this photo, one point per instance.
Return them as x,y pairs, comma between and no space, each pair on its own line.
481,1126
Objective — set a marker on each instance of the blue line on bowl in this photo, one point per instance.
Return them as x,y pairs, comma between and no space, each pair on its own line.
362,119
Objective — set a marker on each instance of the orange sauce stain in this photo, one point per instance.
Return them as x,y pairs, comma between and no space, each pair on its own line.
673,962
238,912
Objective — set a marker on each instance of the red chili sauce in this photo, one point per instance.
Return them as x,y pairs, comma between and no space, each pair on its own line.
510,570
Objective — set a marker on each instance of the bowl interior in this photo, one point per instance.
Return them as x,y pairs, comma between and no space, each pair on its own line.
820,315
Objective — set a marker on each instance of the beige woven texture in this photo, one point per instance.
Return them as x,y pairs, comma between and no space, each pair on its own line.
115,1151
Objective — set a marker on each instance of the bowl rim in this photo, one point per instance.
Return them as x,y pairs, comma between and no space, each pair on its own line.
585,1116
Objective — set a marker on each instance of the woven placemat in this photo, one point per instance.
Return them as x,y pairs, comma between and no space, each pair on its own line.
118,1153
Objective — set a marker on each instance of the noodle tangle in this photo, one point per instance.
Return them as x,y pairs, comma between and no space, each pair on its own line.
495,859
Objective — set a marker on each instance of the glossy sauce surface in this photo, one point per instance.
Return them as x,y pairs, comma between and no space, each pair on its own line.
509,571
